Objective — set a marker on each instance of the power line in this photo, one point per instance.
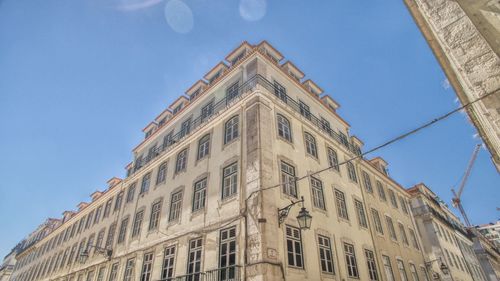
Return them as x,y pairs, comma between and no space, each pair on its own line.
398,138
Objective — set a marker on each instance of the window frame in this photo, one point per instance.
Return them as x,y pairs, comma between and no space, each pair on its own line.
231,129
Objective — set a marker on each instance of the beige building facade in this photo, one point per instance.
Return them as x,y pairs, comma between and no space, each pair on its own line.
445,239
207,195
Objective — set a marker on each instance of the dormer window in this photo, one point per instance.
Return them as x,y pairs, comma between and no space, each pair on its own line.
148,133
294,76
238,58
195,94
177,109
162,121
215,77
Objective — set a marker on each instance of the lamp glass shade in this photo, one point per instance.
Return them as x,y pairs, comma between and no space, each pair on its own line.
443,268
304,219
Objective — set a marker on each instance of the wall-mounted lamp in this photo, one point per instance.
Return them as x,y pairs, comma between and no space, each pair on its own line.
304,218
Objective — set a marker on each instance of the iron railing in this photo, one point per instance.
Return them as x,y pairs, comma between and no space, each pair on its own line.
229,273
227,101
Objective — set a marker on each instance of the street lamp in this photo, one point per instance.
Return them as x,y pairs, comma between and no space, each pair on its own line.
84,255
304,218
442,266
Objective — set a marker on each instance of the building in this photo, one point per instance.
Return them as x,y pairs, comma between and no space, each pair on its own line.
222,188
491,231
445,240
487,254
464,36
8,264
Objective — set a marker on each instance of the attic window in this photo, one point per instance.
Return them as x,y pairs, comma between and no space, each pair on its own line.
162,121
195,93
177,109
294,76
238,58
215,77
149,133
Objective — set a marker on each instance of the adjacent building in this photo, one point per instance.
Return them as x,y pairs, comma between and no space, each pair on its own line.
491,231
464,36
445,239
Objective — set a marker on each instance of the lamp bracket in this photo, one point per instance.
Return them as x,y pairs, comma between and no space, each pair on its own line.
283,212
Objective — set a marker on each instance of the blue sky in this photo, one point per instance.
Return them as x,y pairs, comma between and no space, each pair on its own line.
80,79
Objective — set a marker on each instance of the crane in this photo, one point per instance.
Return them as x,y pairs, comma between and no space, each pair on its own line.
456,202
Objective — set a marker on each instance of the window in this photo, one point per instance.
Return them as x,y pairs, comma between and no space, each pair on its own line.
177,109
390,226
147,266
392,196
146,180
168,139
389,274
437,230
131,193
403,234
87,224
128,275
367,182
341,205
154,218
333,160
402,271
350,259
311,147
381,191
413,271
107,209
227,253
185,127
118,201
403,205
123,231
90,275
152,152
72,253
194,258
351,171
424,273
180,164
317,193
97,217
280,91
294,247
325,254
136,228
325,125
284,129
360,211
230,180
162,173
175,206
377,222
304,110
111,236
199,194
207,110
100,274
167,270
289,186
232,91
100,238
372,266
204,147
231,129
81,248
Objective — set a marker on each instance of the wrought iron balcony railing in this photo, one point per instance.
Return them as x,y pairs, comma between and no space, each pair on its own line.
230,273
243,89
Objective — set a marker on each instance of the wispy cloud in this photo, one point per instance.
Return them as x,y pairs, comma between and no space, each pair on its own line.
446,84
134,5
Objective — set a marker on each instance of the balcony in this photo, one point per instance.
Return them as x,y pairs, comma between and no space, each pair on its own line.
247,87
230,273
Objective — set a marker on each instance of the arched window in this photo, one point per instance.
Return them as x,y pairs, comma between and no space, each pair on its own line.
162,173
311,147
231,129
204,146
284,129
181,162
